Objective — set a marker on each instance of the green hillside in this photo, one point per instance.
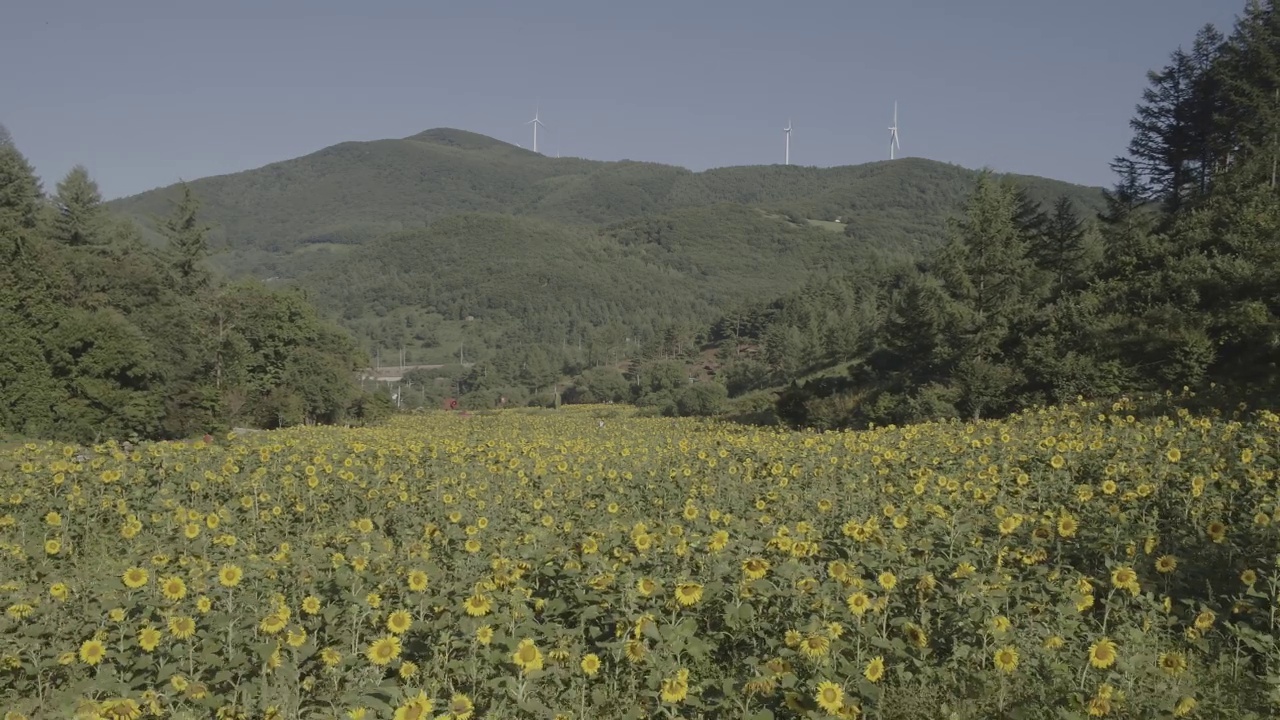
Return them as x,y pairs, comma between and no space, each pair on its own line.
355,191
404,239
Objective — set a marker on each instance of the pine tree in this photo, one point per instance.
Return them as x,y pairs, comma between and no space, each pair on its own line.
187,243
1163,142
19,200
1059,250
30,292
78,204
1249,78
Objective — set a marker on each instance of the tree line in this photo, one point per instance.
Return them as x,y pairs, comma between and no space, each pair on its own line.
108,336
1176,283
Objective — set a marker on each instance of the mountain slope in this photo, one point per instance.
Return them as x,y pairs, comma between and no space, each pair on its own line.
642,274
354,191
404,239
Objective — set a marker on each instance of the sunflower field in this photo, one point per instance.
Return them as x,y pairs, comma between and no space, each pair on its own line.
1069,562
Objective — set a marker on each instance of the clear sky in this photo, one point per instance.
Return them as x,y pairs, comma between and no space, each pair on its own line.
145,92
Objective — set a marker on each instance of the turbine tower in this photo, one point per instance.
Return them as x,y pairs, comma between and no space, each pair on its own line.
893,133
535,122
787,130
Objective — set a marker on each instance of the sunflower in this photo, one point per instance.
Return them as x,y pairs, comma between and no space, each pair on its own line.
646,586
635,651
230,575
59,591
149,638
1249,577
399,622
887,580
830,697
916,635
760,686
1006,659
134,578
119,709
182,627
1098,706
527,656
460,707
484,634
1166,564
383,650
19,611
590,664
478,605
1173,663
859,603
874,671
815,645
1217,531
675,689
1185,706
755,568
1102,654
311,605
418,707
417,580
173,588
330,656
274,622
1125,578
1205,620
92,652
688,593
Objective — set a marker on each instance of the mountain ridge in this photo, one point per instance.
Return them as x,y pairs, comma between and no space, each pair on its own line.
385,234
351,191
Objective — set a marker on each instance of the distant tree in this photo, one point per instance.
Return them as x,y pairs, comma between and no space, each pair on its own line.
6,140
19,199
1059,250
187,242
79,213
603,384
1172,149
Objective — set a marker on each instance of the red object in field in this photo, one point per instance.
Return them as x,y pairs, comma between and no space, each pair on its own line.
208,439
451,404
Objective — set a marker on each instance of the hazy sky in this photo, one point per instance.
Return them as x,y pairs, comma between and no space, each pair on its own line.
144,92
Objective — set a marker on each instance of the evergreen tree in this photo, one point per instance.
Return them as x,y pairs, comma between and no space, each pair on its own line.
1059,250
187,242
1163,144
78,206
30,290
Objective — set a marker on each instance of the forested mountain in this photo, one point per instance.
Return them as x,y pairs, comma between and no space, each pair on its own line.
356,191
403,240
106,336
1178,285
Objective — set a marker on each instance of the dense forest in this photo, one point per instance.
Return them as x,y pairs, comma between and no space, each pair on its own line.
107,336
402,240
883,293
1175,284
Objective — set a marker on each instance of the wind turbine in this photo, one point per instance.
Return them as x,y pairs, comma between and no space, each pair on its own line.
894,144
787,130
535,122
